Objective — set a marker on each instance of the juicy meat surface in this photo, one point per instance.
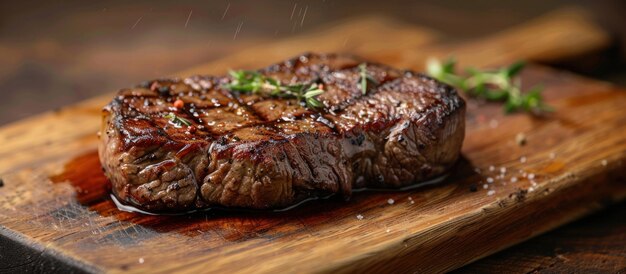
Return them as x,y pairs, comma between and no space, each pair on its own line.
250,151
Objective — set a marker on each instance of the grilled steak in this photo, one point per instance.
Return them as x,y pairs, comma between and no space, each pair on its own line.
249,150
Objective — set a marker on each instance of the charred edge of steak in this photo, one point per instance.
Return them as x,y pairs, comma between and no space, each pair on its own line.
246,151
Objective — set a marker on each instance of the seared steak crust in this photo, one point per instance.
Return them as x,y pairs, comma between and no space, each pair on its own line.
248,151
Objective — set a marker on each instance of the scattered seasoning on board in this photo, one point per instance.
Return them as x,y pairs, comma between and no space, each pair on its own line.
485,186
391,201
359,217
141,260
522,159
520,139
473,188
604,162
552,155
493,123
491,192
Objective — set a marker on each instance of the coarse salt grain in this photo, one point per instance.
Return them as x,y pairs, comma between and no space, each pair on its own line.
605,162
552,155
491,192
477,170
531,176
390,201
493,123
141,260
360,217
503,170
388,230
490,180
513,179
522,159
520,139
485,186
492,168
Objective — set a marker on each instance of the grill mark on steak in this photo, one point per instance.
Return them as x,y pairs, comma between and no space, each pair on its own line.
324,76
249,108
258,115
256,152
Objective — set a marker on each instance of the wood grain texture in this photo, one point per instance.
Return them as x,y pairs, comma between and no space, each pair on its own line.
576,156
594,244
563,34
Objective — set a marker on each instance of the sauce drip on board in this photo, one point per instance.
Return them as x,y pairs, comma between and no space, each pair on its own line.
85,174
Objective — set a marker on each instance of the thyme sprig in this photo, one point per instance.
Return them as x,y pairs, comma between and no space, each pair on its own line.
493,85
176,120
364,77
256,83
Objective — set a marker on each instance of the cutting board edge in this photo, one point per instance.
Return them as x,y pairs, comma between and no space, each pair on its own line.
599,202
49,254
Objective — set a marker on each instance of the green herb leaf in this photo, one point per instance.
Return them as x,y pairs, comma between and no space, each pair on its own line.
254,82
365,77
176,120
444,72
363,71
515,68
311,101
495,95
313,92
498,85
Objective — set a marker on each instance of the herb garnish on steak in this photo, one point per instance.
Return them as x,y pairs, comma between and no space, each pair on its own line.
180,144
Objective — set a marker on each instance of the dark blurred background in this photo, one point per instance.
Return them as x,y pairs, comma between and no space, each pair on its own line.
56,53
53,54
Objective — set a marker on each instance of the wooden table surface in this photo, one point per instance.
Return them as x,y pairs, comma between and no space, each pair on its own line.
593,244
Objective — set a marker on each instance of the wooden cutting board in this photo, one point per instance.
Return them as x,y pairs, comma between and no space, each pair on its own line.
55,208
